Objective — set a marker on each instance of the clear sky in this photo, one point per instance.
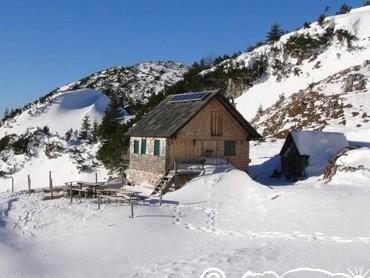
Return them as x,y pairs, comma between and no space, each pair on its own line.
45,44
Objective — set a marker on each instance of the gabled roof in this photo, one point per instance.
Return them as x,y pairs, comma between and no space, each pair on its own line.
315,143
174,112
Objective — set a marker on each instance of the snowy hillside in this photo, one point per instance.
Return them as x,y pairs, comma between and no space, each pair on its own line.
47,130
339,43
134,84
60,113
45,138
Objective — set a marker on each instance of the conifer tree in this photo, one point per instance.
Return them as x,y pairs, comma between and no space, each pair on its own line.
275,33
344,9
93,138
85,128
111,133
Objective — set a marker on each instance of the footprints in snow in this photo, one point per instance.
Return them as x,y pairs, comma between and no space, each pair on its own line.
210,227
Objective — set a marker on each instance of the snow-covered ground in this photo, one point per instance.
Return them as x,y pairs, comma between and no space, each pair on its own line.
222,219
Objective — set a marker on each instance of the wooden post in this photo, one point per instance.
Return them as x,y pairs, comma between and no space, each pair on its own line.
160,196
80,192
70,191
29,185
51,186
132,209
99,200
96,177
12,184
175,166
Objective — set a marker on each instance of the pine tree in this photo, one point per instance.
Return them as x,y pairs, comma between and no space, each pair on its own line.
69,134
111,120
6,113
93,138
275,33
111,133
344,9
85,128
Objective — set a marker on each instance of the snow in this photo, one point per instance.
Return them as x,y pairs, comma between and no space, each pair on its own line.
243,225
61,113
266,92
319,146
221,219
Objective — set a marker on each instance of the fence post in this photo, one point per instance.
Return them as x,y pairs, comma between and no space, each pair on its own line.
29,185
132,209
70,191
51,186
160,196
96,177
12,184
99,200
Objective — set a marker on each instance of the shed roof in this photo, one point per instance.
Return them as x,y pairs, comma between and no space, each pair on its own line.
315,143
174,112
319,146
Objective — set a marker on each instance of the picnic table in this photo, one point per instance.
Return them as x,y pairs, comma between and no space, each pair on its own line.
118,194
82,187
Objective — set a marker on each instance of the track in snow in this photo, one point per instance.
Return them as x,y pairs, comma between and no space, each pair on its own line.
210,227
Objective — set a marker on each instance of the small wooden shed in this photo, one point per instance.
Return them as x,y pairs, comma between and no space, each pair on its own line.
188,126
309,148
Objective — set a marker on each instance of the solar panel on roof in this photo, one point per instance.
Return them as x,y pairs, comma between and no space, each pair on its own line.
188,97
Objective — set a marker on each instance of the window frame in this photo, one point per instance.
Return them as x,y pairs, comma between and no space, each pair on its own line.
143,146
216,123
157,147
136,146
229,148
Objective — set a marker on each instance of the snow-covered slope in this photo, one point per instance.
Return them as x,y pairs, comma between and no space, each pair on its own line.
134,84
63,111
60,113
296,73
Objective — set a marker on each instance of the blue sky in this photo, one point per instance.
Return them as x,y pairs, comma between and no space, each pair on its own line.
45,44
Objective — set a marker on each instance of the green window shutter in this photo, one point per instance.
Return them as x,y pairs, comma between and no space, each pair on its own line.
136,146
157,147
143,146
230,148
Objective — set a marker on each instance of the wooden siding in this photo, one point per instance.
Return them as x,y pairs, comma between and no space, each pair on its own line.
292,163
196,139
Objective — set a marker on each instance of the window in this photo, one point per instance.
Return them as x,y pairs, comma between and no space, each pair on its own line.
157,147
136,146
230,148
143,146
216,123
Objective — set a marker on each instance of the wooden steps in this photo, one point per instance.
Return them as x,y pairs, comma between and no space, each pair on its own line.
165,184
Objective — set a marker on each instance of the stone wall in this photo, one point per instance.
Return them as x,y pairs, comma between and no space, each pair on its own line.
147,168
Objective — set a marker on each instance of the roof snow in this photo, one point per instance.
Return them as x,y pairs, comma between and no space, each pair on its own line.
319,146
317,143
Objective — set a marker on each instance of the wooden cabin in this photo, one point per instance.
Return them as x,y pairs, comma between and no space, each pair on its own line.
309,148
188,126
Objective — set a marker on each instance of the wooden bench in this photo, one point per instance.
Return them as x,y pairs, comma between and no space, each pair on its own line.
118,195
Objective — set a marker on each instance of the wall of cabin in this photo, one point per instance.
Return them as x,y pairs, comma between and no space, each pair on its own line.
205,135
213,132
292,163
147,166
